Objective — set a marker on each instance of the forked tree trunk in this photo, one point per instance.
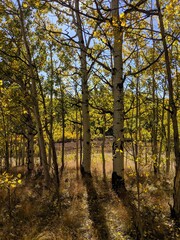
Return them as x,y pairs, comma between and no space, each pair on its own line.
118,96
173,109
35,98
51,139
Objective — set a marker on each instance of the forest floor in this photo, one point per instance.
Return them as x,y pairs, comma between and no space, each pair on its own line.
89,208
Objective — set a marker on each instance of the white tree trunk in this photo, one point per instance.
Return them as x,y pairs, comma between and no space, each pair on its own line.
118,96
86,163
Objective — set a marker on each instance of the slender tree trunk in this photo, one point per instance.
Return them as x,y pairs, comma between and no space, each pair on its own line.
6,155
86,163
137,133
77,142
35,99
146,152
16,150
163,133
154,120
30,153
78,129
103,147
63,126
51,139
30,144
81,142
168,143
154,128
23,151
138,221
11,150
49,155
20,151
6,138
51,106
55,163
173,109
118,96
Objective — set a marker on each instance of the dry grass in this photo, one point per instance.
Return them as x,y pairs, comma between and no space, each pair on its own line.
89,209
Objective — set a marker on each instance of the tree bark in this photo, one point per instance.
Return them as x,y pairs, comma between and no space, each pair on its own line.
63,125
86,162
118,96
154,125
51,139
6,139
51,104
30,145
6,155
168,143
77,142
103,147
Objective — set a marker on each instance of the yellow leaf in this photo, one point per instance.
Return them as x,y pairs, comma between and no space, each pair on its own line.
122,15
37,4
19,175
123,23
96,34
24,5
13,185
19,181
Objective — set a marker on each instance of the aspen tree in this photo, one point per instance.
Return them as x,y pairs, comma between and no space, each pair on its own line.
34,96
173,110
118,97
86,163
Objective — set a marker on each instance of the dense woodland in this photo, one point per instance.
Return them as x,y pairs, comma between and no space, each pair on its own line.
89,119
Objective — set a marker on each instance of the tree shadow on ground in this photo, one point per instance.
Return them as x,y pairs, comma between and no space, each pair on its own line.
127,200
96,212
148,223
157,225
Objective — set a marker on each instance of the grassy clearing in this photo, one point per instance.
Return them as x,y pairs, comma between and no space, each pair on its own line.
89,209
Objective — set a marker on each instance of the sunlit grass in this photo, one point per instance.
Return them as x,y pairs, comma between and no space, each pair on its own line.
71,218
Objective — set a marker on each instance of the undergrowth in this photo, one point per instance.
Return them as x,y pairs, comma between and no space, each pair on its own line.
88,208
